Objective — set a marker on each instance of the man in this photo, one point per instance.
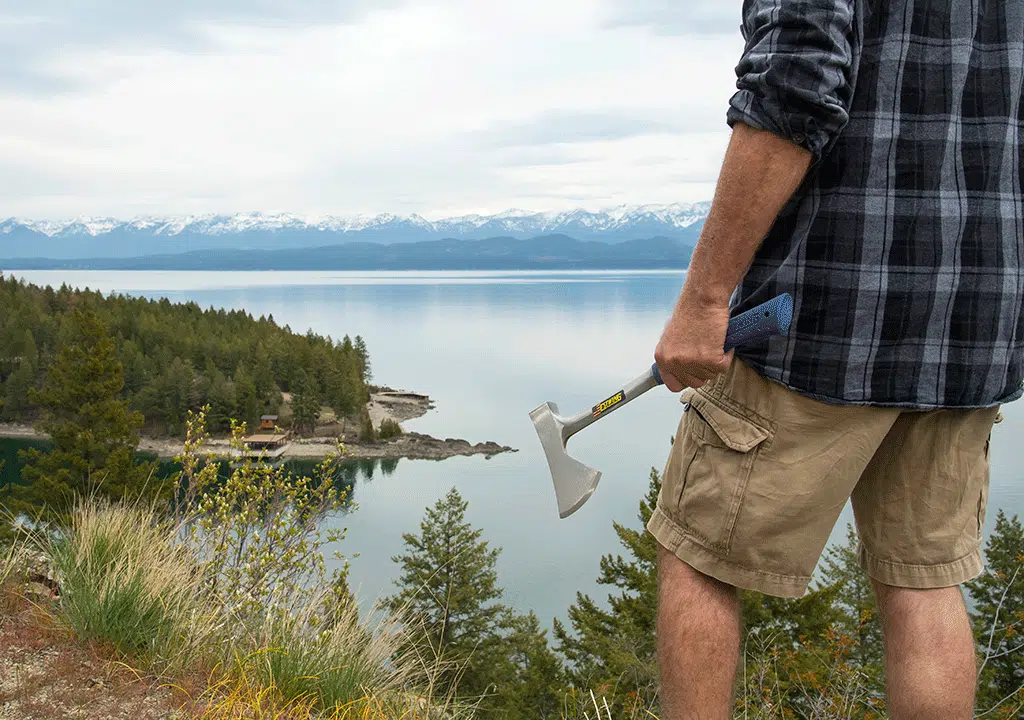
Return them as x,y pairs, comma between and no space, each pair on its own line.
874,172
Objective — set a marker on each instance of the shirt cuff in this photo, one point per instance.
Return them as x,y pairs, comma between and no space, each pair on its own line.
799,128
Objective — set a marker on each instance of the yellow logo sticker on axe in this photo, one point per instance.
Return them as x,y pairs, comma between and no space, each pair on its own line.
608,404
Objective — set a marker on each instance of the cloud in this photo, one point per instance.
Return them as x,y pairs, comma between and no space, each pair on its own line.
35,34
675,17
430,106
564,126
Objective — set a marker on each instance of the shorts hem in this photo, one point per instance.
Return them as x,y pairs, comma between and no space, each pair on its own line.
684,546
922,577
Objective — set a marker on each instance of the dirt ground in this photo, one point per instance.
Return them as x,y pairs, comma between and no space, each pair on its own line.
45,675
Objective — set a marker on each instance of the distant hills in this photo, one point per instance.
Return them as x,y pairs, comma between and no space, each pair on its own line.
628,236
549,252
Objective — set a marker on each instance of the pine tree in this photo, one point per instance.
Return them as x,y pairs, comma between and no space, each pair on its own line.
305,404
998,616
364,360
247,401
222,401
94,434
533,684
448,585
616,648
178,394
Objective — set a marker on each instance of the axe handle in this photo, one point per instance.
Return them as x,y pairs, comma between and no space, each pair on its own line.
760,323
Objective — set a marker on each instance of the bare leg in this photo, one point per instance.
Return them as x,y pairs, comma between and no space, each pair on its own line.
930,661
698,642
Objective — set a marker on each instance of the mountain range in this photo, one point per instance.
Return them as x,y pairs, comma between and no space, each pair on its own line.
215,236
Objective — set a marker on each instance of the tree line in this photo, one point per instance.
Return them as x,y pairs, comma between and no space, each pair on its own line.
177,357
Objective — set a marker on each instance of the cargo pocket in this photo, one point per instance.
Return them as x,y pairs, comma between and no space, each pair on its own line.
725,445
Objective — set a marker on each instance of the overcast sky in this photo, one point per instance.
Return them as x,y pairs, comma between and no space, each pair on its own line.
439,107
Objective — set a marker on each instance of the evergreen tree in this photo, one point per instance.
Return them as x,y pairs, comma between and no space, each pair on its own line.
94,434
616,648
16,391
534,680
178,394
247,400
364,360
222,401
448,585
170,354
367,432
305,404
998,616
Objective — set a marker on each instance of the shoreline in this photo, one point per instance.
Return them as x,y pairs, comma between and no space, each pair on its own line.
385,404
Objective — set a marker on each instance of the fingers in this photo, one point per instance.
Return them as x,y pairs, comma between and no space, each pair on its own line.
677,385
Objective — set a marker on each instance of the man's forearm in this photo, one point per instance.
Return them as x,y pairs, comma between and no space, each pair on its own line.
760,173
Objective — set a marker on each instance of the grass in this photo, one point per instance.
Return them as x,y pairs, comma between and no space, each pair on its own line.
128,585
125,583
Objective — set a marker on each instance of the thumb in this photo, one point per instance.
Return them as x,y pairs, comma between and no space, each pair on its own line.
726,360
670,381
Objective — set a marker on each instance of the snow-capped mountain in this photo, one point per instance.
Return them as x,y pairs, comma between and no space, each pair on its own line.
108,237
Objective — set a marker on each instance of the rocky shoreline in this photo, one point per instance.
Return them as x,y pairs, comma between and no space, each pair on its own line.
385,404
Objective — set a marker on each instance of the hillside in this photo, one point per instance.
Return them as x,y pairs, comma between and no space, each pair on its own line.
548,252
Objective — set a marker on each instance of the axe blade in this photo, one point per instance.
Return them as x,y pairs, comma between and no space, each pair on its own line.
574,482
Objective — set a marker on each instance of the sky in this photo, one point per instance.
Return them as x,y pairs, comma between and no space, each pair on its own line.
438,107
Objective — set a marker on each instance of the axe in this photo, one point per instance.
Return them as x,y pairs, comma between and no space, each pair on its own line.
575,482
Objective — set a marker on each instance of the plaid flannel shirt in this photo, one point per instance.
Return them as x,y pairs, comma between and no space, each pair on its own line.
902,248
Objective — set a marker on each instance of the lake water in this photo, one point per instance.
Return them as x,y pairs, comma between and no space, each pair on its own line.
488,347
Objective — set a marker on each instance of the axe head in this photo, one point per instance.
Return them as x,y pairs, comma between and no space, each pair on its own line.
574,482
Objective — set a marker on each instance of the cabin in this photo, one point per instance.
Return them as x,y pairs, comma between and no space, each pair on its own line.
268,422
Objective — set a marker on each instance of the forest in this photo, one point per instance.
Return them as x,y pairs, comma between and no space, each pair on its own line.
178,357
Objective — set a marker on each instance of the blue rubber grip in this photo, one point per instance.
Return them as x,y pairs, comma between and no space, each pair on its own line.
760,323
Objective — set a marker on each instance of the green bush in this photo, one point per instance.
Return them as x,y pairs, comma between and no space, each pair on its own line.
389,429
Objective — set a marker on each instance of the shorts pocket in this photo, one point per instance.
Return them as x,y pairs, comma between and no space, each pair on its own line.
725,444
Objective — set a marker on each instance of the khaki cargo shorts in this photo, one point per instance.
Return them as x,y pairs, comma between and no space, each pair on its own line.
759,474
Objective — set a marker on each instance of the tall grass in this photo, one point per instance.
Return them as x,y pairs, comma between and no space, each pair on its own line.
12,560
125,583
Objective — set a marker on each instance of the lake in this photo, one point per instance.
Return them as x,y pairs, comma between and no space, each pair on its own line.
488,347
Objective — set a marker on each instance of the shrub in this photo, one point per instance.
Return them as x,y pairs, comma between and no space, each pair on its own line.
367,433
389,429
288,625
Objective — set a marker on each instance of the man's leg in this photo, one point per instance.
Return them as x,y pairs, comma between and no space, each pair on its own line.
698,642
929,653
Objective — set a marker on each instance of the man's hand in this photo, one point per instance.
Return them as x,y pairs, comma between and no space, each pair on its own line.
691,350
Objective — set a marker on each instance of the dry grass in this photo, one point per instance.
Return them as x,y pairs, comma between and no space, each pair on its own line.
126,584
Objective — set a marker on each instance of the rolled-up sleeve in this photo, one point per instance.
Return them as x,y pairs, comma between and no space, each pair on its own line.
798,69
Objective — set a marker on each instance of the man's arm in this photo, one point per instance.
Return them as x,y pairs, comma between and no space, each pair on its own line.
795,84
760,173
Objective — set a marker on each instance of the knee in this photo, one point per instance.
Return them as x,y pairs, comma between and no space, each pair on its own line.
904,603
